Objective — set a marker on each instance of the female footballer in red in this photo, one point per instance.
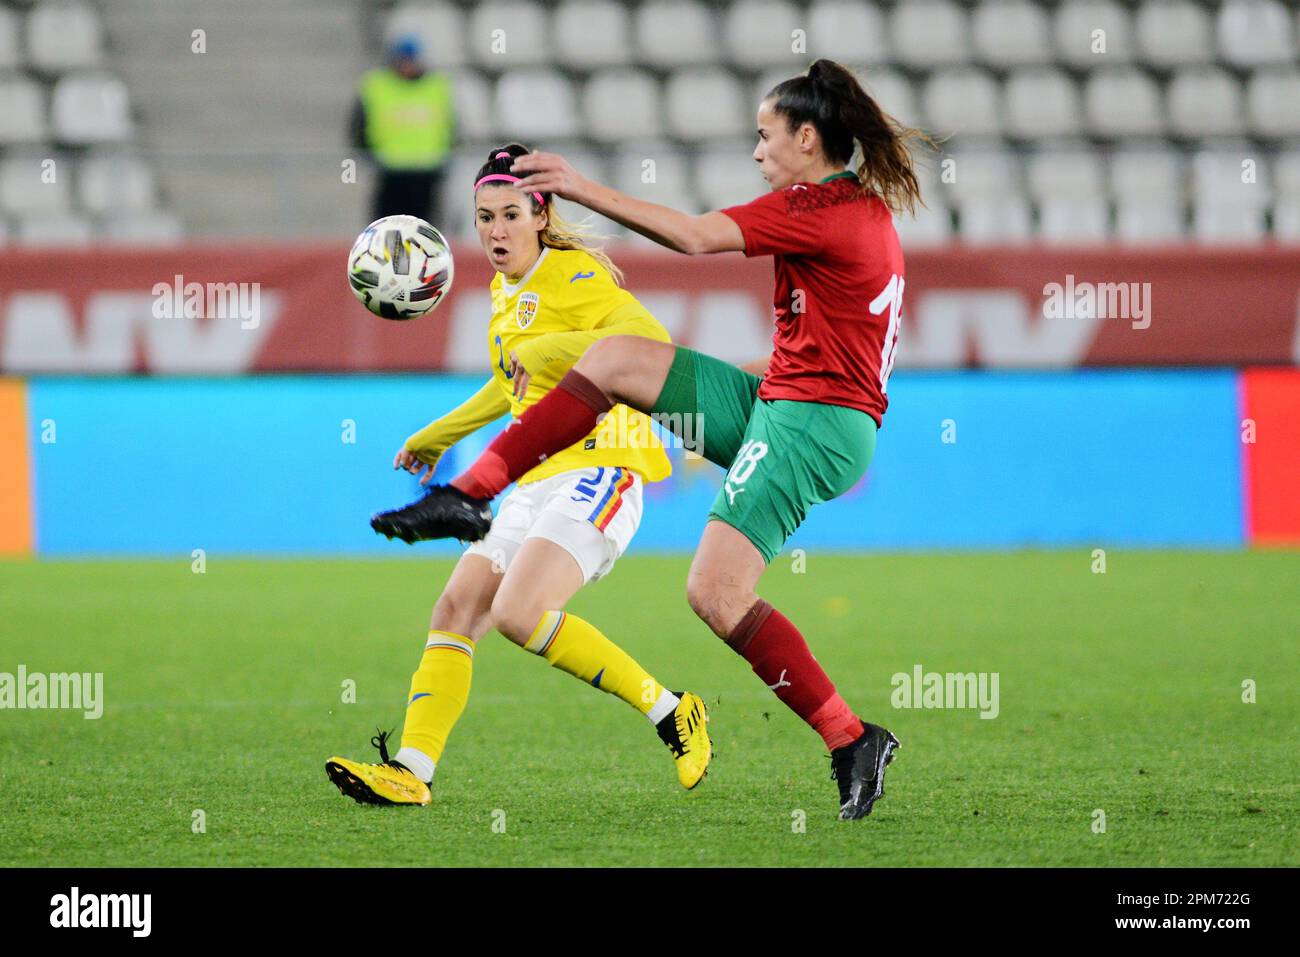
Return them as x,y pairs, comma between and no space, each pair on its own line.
802,433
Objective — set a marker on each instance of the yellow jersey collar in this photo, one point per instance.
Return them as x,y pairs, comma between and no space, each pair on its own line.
510,288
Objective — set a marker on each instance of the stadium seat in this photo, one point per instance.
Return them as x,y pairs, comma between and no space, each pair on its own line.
115,183
22,110
90,108
1255,32
673,33
536,103
64,36
932,226
1204,101
148,228
725,174
1174,33
27,187
1231,177
10,55
702,102
989,221
1122,102
54,229
1286,220
618,104
457,193
1152,173
847,31
929,33
1076,174
591,33
1082,25
507,34
653,170
1041,102
1216,224
893,92
1066,220
1149,221
1273,102
472,96
982,174
760,33
962,100
440,28
1011,33
1286,174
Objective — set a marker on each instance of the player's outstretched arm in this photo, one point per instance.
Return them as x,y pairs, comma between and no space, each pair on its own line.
426,446
566,348
682,232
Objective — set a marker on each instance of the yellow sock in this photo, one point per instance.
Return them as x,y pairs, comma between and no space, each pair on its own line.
578,647
439,690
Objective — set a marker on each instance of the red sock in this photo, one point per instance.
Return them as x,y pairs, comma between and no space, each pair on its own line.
561,417
780,656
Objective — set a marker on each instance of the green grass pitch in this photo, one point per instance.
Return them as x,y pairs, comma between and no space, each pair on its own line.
1119,692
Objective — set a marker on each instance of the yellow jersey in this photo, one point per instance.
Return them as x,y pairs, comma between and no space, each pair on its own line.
566,301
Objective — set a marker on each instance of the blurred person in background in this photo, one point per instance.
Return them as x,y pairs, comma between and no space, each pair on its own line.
405,120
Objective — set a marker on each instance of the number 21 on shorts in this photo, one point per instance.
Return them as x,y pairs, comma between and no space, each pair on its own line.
890,298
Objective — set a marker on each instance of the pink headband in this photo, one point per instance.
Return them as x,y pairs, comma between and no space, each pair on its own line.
506,178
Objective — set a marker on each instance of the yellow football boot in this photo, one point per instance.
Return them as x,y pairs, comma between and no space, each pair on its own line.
686,733
385,783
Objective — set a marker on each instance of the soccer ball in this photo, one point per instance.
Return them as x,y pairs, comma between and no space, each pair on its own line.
400,267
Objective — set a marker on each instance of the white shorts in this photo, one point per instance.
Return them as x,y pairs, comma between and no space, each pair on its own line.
590,513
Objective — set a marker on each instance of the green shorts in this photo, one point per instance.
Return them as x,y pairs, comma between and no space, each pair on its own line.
781,456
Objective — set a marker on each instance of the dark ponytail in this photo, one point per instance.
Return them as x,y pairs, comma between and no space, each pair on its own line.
844,115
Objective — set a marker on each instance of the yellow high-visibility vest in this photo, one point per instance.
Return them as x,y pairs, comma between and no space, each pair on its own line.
409,123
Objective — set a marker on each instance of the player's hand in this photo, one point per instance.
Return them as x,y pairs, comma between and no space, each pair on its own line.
406,459
519,376
547,173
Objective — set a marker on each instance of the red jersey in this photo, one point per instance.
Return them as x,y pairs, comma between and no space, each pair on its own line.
838,295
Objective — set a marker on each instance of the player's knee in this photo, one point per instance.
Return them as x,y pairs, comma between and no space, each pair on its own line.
513,617
705,598
452,613
607,361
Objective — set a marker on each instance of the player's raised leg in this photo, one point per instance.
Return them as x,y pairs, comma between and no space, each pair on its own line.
528,610
721,590
438,693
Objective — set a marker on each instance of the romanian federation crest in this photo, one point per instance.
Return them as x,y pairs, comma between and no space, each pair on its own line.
526,310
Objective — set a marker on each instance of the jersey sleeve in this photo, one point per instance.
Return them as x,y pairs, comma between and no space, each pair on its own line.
630,319
486,405
769,228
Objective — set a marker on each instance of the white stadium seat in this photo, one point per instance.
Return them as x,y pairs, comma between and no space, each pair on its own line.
1205,101
440,28
1216,223
536,103
1065,173
962,100
1174,33
1149,221
760,33
507,34
929,33
10,56
591,33
1004,219
472,96
706,102
54,229
621,103
847,31
22,110
26,185
1231,177
1066,220
457,193
893,92
148,228
1011,33
725,174
653,170
1286,220
115,182
1139,174
1273,102
64,36
932,226
676,33
1255,32
981,174
1084,26
1122,102
1041,102
1286,174
91,108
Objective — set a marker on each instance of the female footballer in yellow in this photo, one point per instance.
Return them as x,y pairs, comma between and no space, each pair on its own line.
567,520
